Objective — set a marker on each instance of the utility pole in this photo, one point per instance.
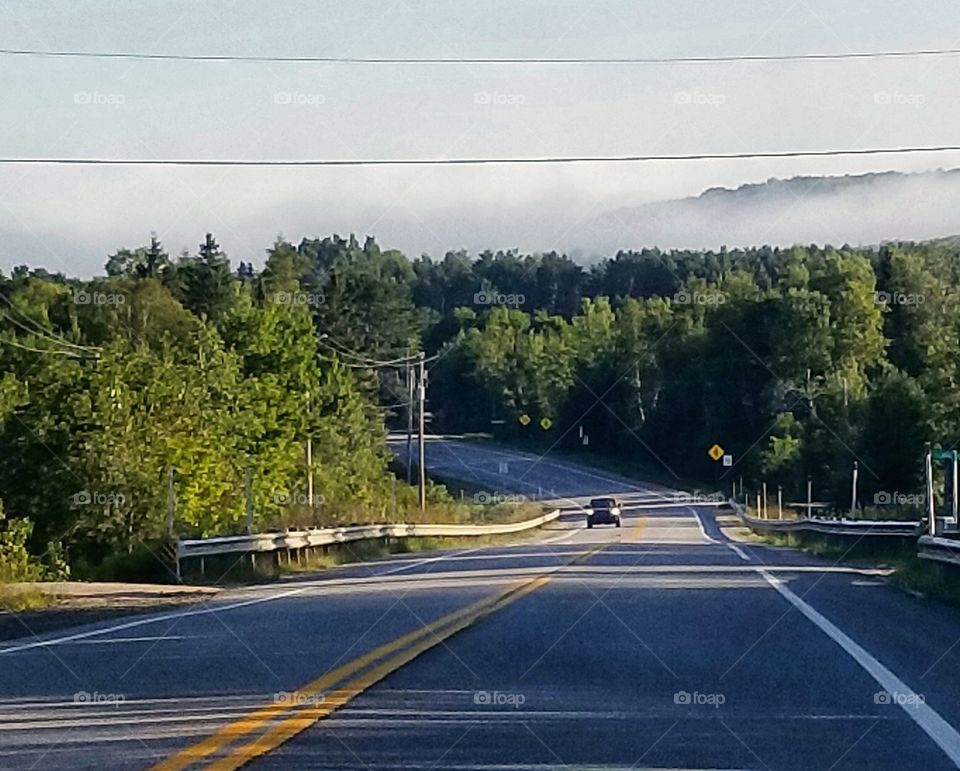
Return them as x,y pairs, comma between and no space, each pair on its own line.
409,424
171,502
764,499
779,501
249,506
309,473
809,496
249,501
423,471
171,519
309,458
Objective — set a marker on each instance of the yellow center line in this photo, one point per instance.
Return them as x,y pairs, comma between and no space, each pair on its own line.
287,729
421,639
633,536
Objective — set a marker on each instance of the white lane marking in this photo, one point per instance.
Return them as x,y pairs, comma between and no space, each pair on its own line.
938,729
152,638
196,612
738,551
151,620
421,562
700,525
559,538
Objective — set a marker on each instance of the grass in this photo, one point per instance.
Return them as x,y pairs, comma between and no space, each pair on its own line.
365,551
910,573
928,578
18,599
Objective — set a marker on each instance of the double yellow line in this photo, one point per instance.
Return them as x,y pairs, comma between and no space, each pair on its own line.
273,724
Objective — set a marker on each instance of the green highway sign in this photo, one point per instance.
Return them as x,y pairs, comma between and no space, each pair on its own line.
944,454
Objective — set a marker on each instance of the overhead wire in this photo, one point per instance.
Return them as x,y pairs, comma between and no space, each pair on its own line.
479,161
400,60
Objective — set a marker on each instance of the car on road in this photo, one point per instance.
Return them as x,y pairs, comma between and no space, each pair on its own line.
603,511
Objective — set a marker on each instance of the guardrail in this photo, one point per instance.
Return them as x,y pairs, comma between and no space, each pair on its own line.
293,540
939,549
896,528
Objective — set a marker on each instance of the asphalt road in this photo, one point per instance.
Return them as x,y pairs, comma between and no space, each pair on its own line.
662,644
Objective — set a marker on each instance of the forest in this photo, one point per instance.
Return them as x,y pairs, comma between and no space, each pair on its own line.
797,361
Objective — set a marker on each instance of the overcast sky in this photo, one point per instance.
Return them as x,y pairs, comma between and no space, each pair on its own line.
69,219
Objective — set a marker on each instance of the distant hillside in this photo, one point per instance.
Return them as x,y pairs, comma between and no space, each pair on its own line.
858,209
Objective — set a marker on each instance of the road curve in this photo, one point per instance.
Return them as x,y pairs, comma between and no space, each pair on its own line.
661,644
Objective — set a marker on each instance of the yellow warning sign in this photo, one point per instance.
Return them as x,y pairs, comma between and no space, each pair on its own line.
545,423
524,420
715,452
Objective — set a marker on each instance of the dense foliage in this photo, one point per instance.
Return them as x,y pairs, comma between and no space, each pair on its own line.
797,361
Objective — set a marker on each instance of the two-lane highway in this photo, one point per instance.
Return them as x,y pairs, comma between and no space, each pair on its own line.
661,644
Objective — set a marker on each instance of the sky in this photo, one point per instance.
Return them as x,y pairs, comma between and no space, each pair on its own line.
70,219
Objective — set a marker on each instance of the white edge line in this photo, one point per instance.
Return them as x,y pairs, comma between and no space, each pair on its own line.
202,611
703,530
739,552
938,729
150,620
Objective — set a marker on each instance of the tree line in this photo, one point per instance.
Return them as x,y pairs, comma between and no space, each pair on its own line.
796,361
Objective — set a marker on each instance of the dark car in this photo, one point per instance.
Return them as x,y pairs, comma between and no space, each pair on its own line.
603,511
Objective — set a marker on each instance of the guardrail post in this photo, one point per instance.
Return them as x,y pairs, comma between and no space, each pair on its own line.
779,501
954,499
764,500
853,490
928,469
809,497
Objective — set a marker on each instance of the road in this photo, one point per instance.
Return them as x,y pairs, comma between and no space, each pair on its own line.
662,644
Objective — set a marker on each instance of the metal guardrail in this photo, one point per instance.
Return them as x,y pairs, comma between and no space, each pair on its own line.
939,549
301,539
829,526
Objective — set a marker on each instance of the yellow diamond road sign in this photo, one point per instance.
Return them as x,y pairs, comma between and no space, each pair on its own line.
524,420
545,423
715,452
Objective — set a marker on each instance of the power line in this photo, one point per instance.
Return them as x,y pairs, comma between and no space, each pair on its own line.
70,347
68,354
38,331
367,362
558,159
916,53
